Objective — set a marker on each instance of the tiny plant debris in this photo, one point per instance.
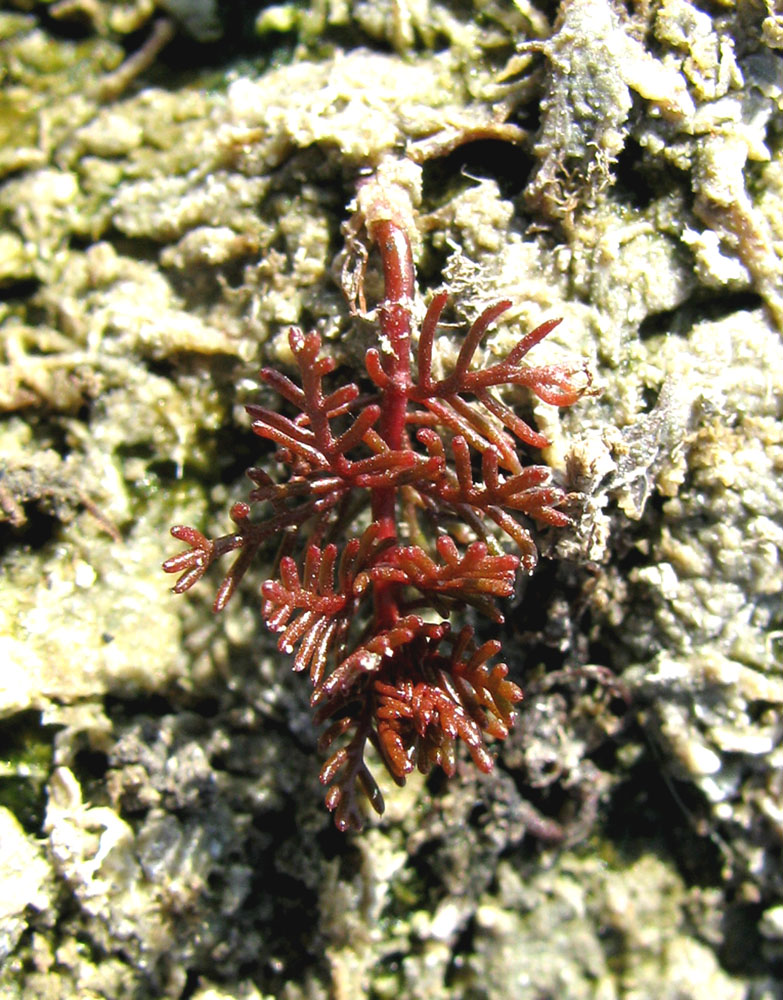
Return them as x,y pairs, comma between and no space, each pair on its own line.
430,470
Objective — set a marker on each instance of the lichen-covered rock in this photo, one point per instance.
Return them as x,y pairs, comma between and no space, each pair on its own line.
594,62
558,940
154,249
708,663
24,881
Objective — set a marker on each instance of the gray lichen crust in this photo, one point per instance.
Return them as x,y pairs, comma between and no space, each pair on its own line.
161,823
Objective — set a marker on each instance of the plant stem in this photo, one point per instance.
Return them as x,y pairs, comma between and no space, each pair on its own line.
395,322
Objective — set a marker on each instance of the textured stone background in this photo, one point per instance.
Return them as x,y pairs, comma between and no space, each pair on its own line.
161,823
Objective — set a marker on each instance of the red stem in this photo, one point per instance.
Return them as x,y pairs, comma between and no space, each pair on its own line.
395,321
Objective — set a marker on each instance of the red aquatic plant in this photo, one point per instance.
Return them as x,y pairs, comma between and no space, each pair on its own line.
391,508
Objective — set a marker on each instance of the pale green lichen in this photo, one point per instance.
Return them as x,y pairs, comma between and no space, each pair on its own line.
595,61
26,880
